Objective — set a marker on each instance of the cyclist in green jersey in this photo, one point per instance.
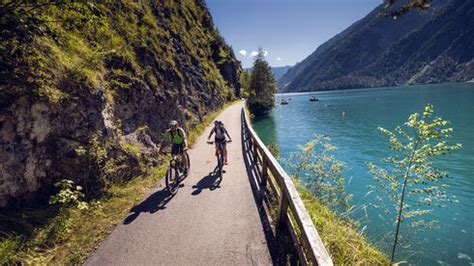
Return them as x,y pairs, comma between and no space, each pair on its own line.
176,135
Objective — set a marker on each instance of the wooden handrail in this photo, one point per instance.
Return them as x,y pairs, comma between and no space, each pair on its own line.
310,249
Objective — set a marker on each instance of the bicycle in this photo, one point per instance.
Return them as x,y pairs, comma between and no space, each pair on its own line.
220,157
174,171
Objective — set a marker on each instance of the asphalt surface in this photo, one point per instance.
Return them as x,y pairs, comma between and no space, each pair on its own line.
206,223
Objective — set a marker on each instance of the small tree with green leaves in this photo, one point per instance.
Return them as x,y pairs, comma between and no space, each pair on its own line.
322,173
262,89
410,180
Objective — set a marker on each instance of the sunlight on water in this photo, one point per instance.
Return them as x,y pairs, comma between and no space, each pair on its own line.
351,119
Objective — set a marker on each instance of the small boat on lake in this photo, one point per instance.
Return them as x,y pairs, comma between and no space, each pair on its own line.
283,102
313,99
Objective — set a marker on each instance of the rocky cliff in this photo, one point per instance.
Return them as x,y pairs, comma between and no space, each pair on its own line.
86,89
421,47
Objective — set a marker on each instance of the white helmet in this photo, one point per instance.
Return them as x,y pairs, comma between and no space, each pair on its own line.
173,123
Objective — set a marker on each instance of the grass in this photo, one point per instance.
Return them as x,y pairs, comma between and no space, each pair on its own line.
69,239
344,244
340,237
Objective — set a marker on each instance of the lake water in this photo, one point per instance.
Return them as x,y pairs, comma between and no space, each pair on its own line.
359,142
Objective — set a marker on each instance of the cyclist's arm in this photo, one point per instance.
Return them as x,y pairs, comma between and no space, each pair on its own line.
227,133
185,139
210,134
166,139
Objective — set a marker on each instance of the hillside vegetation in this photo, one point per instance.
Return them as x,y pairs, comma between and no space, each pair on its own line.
420,47
87,88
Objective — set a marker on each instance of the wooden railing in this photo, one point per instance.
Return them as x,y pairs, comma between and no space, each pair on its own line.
292,217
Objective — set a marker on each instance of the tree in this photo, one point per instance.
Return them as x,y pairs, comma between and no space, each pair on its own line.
261,98
412,182
245,83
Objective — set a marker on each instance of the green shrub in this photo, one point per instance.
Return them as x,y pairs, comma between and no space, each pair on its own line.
9,248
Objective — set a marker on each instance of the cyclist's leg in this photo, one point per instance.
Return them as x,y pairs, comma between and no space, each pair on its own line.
175,149
184,159
216,144
224,150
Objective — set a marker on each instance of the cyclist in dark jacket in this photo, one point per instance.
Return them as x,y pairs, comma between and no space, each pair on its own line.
219,138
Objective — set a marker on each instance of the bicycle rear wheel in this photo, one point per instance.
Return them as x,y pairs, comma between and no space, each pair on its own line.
220,163
172,180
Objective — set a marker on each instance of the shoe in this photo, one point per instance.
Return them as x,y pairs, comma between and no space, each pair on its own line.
225,162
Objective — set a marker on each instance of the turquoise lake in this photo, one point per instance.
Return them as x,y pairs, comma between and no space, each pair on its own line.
358,141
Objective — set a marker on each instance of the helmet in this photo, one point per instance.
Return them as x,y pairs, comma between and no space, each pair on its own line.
217,122
173,123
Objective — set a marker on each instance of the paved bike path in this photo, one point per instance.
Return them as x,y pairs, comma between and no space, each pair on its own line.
203,224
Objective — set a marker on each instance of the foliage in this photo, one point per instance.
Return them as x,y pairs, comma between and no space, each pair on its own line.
395,13
274,149
319,170
344,244
245,83
69,195
9,248
410,180
261,94
80,42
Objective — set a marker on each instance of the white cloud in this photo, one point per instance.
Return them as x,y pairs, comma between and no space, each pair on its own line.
255,53
243,52
278,59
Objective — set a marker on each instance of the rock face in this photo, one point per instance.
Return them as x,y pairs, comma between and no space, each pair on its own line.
88,99
420,47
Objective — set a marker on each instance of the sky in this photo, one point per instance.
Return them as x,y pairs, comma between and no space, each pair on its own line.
288,30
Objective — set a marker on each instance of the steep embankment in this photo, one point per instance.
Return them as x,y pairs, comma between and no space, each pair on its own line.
87,89
420,47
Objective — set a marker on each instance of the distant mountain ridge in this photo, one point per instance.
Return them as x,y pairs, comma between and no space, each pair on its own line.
278,72
421,47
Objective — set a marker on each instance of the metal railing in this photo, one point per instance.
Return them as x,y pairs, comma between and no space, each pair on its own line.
292,214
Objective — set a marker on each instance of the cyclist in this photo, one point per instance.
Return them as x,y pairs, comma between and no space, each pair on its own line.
220,140
177,136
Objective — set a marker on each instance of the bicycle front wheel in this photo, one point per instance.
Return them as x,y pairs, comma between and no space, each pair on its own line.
172,178
188,160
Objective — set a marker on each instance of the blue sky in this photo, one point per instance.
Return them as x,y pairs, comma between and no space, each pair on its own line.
289,30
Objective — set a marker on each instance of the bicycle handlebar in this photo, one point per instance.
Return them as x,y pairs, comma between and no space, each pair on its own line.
212,142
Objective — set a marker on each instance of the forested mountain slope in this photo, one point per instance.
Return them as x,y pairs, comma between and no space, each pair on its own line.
86,89
420,47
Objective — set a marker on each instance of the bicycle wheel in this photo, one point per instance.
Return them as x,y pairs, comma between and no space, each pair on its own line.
189,161
220,163
172,180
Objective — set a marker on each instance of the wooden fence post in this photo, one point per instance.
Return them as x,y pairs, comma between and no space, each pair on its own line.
255,153
282,212
264,174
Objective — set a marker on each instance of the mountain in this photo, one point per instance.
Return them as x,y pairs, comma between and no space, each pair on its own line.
278,72
420,47
87,88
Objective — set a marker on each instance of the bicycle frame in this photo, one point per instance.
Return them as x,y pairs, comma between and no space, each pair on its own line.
220,157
